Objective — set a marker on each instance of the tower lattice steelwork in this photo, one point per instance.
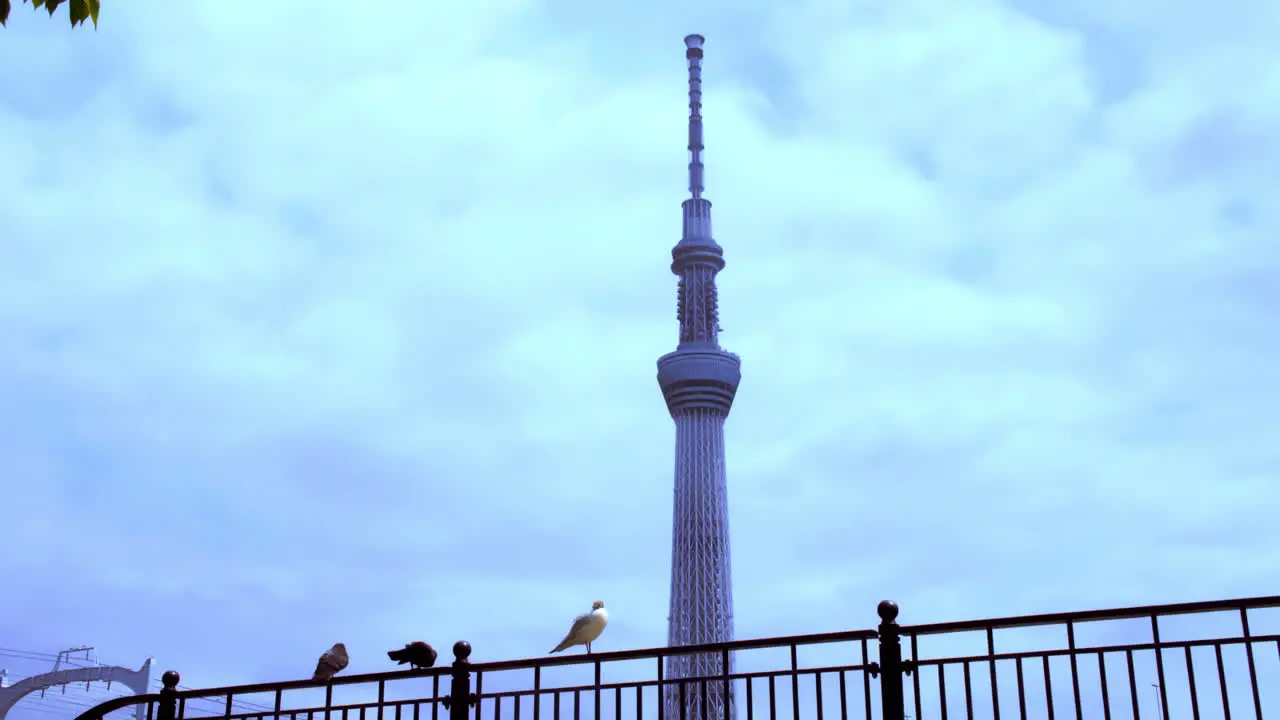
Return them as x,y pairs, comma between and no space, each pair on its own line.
699,381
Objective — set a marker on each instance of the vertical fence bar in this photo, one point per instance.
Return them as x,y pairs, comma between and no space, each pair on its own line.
1133,685
844,697
915,677
817,692
866,680
995,689
968,692
1048,687
597,690
795,684
1253,671
1022,692
537,692
1164,693
662,692
1222,682
1075,669
891,704
942,691
1191,682
773,700
1102,683
728,711
435,700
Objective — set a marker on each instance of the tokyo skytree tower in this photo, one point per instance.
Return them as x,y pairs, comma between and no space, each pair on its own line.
699,381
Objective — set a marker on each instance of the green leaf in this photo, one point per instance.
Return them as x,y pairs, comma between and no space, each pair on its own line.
79,10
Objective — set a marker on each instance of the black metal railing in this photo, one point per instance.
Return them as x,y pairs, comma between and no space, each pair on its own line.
901,678
1140,662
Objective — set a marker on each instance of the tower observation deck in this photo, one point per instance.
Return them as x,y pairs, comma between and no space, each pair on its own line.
699,381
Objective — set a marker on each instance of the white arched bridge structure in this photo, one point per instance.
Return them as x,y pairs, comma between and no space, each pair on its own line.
139,681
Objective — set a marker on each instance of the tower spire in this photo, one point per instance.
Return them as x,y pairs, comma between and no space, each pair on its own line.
693,43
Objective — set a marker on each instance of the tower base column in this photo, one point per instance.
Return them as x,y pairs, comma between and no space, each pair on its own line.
711,689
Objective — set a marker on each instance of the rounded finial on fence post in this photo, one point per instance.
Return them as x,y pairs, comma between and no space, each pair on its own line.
887,610
461,650
167,708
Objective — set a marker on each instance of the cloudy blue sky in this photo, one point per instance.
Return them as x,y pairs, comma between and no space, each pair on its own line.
324,321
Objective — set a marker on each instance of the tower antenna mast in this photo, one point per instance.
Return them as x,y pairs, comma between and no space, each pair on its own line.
693,44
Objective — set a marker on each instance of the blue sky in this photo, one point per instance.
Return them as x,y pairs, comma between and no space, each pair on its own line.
324,322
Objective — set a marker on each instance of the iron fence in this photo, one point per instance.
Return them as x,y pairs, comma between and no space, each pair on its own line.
1095,666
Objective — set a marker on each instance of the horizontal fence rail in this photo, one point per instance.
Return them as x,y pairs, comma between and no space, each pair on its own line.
1194,660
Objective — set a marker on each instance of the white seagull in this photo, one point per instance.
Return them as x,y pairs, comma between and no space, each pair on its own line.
586,628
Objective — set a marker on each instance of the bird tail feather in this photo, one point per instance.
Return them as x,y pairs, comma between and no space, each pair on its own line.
564,644
399,656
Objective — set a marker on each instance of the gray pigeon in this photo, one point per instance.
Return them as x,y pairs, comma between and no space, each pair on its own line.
332,662
418,654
